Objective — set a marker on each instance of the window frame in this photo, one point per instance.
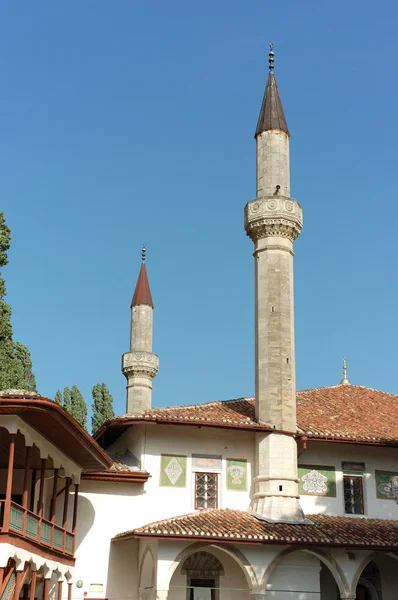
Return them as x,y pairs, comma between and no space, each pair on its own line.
216,477
359,477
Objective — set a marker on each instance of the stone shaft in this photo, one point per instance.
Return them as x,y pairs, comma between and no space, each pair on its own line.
273,166
141,328
275,372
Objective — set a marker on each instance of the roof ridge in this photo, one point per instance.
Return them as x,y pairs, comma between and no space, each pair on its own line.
179,406
346,386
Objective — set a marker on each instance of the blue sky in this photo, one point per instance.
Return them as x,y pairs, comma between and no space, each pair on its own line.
128,122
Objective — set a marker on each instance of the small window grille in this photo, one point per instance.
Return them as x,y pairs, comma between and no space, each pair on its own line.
206,490
353,495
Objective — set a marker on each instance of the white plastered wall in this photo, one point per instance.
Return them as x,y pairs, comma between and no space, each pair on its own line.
333,454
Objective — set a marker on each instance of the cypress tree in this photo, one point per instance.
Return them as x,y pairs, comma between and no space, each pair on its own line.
58,397
78,407
67,398
102,406
15,361
25,366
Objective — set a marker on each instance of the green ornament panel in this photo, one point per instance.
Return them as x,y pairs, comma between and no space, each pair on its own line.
236,474
317,480
173,471
387,485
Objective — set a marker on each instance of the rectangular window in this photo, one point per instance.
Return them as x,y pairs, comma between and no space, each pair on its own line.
206,490
353,494
202,589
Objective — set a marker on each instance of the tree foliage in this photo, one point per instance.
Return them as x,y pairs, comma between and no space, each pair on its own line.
15,362
102,406
67,398
58,397
78,407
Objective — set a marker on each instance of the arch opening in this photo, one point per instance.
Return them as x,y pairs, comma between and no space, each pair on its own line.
209,573
305,574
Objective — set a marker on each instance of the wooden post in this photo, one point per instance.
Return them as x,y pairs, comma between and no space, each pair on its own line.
54,497
19,580
41,490
59,590
33,586
41,494
25,487
32,490
53,506
66,500
65,515
46,589
74,521
70,591
7,505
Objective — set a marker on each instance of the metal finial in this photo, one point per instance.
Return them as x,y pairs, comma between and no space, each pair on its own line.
143,252
345,380
271,57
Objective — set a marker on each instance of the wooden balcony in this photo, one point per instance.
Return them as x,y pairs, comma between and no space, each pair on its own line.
29,526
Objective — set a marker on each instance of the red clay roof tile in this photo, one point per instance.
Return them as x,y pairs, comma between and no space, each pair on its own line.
240,526
346,412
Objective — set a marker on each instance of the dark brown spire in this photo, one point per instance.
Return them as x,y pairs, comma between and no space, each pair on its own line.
271,113
142,294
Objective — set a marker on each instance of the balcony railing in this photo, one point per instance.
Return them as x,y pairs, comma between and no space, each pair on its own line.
28,525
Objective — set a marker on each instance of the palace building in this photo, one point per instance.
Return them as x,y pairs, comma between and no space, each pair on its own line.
285,495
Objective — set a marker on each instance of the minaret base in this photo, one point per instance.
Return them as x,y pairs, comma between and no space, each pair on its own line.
276,497
277,509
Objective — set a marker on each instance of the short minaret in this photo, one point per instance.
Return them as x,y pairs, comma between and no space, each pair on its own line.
273,221
140,365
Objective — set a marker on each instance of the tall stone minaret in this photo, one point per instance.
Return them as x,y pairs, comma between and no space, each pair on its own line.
273,221
140,365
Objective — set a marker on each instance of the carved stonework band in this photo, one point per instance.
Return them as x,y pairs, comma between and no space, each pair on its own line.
140,364
273,216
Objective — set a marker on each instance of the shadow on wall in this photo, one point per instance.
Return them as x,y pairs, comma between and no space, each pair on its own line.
122,579
85,519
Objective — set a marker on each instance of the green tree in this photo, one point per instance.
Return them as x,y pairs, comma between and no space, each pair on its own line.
67,399
25,365
15,361
102,406
78,407
58,397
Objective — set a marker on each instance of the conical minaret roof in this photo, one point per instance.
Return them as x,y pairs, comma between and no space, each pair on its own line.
271,113
142,293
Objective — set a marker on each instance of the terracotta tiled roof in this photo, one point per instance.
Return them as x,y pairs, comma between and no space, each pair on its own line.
142,293
349,411
240,526
345,412
124,463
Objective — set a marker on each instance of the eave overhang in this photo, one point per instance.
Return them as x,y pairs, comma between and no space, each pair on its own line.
139,477
59,427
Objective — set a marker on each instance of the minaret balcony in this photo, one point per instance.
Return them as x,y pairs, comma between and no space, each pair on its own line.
276,216
141,363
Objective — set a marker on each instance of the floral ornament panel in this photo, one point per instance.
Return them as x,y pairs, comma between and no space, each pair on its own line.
387,485
236,474
317,480
173,470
